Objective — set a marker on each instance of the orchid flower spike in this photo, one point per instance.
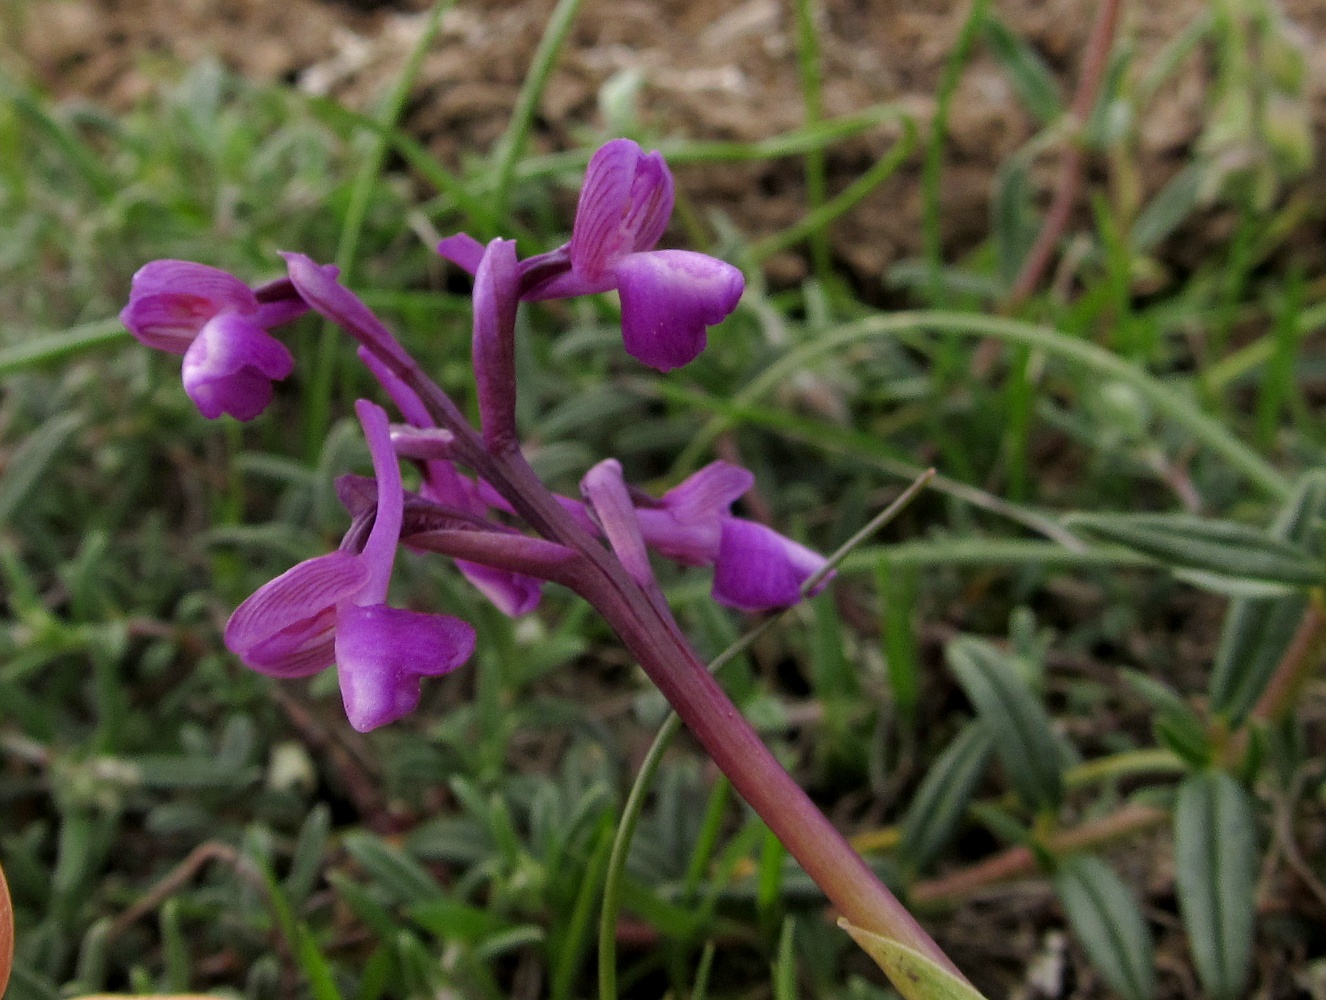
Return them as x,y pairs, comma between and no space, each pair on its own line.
220,326
668,297
331,610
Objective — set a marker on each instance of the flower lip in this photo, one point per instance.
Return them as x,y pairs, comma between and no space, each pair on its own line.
230,367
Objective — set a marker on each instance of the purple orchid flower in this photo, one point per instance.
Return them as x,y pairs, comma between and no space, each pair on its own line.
220,326
755,568
331,610
669,297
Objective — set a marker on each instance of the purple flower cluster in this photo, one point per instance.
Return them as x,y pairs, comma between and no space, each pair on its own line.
332,609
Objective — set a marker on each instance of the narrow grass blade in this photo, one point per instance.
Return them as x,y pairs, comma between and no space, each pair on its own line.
1165,397
52,347
813,225
1257,631
1225,548
1030,77
29,461
512,144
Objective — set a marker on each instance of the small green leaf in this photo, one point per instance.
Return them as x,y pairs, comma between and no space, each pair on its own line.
941,801
1175,723
401,876
1027,71
1015,718
1215,856
912,974
29,460
1106,920
307,859
1223,547
1013,220
1166,211
1257,631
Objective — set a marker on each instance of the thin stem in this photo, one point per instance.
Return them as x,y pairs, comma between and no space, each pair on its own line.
1301,658
735,747
1022,860
1069,183
6,933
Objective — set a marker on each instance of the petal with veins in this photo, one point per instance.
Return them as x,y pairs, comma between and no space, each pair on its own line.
381,653
668,299
284,628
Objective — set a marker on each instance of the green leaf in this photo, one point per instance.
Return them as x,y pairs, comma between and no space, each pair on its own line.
1030,77
912,974
1215,856
1015,718
1013,219
1223,547
1257,631
1109,924
1175,723
25,466
453,920
308,856
1166,211
401,876
941,801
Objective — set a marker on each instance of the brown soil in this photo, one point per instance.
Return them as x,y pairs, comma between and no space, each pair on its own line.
709,71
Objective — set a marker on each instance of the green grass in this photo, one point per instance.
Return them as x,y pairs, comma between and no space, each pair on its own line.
172,821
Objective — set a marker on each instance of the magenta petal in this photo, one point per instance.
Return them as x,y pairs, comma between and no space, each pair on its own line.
513,594
463,250
599,237
759,569
711,490
183,277
650,205
230,366
285,627
167,321
495,343
381,653
685,527
668,298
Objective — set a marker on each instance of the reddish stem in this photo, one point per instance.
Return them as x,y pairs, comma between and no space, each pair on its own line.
1021,861
1099,43
6,933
